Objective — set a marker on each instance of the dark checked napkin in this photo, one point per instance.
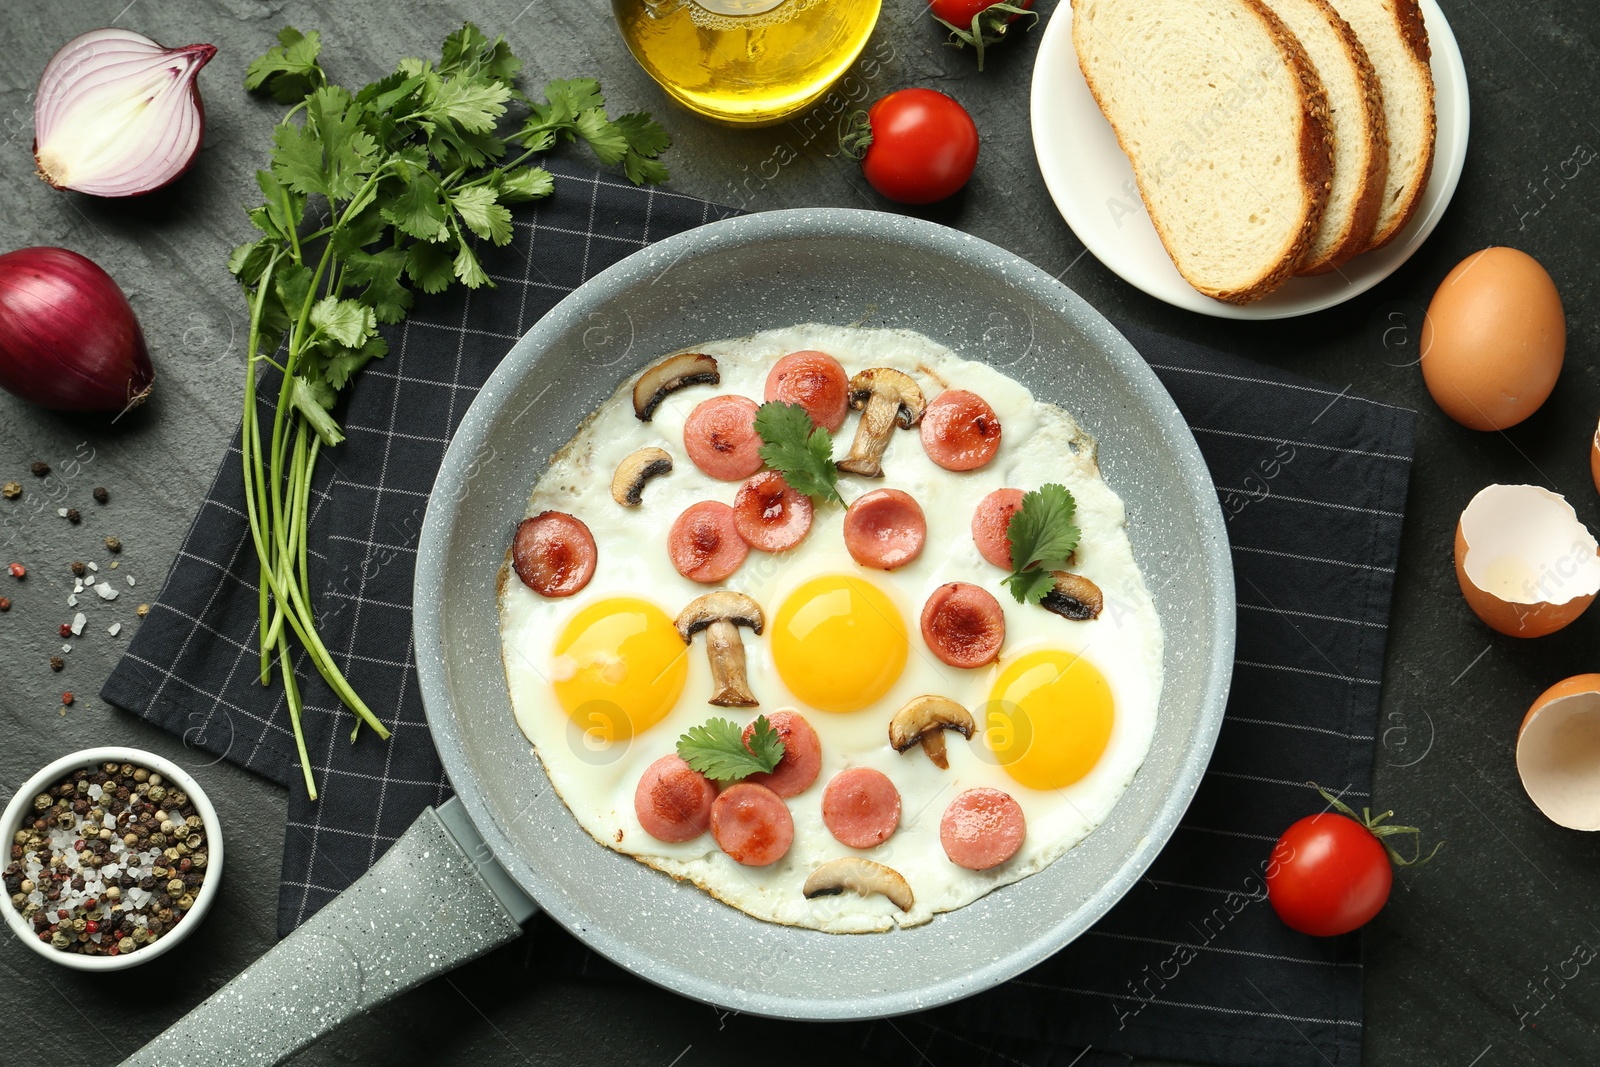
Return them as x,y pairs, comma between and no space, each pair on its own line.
1192,965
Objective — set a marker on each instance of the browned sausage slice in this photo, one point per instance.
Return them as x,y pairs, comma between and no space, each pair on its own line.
720,437
960,431
802,755
981,828
989,525
816,382
771,516
884,529
553,553
861,807
963,625
673,800
751,824
704,542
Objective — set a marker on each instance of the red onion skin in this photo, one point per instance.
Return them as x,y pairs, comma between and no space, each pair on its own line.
68,336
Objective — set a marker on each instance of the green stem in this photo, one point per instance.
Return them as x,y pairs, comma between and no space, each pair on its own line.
291,697
250,442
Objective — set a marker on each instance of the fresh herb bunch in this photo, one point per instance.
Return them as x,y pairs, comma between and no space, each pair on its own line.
1042,536
717,749
370,195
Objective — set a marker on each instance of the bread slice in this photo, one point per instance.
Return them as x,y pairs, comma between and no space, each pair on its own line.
1223,117
1397,43
1360,138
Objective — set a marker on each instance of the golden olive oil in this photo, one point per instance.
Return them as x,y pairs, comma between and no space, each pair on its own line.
746,62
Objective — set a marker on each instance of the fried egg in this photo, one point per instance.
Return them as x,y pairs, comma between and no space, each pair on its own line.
602,685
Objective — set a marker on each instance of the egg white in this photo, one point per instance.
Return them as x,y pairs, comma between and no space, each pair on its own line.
1040,443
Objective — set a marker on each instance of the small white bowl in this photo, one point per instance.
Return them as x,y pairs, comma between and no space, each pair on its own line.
21,806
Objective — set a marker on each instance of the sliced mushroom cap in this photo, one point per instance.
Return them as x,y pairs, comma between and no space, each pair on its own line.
720,614
668,376
923,720
886,398
859,876
1074,597
627,485
721,605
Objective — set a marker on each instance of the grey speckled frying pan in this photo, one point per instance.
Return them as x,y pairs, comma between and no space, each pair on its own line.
463,878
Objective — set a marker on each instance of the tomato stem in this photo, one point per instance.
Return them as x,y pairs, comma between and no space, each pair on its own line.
855,134
1376,826
988,27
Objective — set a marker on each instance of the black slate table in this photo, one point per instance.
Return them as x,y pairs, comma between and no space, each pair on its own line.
1454,960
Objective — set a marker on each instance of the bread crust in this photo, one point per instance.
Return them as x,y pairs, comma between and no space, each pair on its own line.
1369,201
1315,151
1408,15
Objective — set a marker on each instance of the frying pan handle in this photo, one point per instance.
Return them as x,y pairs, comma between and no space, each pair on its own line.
428,906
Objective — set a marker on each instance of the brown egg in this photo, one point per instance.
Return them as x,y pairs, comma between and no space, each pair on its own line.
1493,339
1558,752
1526,564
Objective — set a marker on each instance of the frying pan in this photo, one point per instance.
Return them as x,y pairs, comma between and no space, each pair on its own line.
464,877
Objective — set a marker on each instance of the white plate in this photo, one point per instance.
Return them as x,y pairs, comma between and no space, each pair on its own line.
1092,183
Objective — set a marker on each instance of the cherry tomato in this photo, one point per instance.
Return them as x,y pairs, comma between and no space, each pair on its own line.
1328,875
961,12
924,146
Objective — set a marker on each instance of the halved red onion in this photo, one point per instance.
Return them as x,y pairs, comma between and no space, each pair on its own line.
117,114
68,338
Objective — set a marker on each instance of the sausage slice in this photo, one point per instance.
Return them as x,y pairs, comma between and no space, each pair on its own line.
553,553
704,542
861,807
771,516
673,800
989,525
720,437
802,755
981,828
751,824
815,381
960,431
963,625
884,529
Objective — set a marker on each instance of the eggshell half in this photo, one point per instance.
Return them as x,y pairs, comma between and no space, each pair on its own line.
1594,459
1558,752
1526,565
1493,339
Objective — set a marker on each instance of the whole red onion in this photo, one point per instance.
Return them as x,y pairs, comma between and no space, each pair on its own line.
68,337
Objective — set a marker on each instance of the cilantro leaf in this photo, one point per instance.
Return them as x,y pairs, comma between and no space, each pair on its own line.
289,70
348,322
798,449
467,268
645,135
429,265
483,215
1042,536
473,105
717,750
527,183
418,211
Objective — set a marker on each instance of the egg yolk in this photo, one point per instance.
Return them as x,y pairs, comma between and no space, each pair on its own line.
618,667
1048,718
839,643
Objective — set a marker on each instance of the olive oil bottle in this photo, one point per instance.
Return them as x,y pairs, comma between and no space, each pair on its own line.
746,62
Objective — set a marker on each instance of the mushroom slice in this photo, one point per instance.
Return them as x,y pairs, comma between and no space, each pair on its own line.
924,720
1074,597
668,376
859,876
720,614
886,398
627,485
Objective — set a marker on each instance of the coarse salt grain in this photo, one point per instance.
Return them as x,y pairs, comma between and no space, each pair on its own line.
105,591
77,623
94,566
77,585
72,600
62,512
114,629
66,648
129,578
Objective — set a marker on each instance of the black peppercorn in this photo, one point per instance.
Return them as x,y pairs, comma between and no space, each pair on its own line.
40,469
57,663
73,516
78,569
100,494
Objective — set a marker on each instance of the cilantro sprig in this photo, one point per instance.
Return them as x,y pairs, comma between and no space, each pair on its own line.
1042,536
798,449
371,195
717,749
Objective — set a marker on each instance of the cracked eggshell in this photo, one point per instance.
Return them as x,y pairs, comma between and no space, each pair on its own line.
1558,752
1526,565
